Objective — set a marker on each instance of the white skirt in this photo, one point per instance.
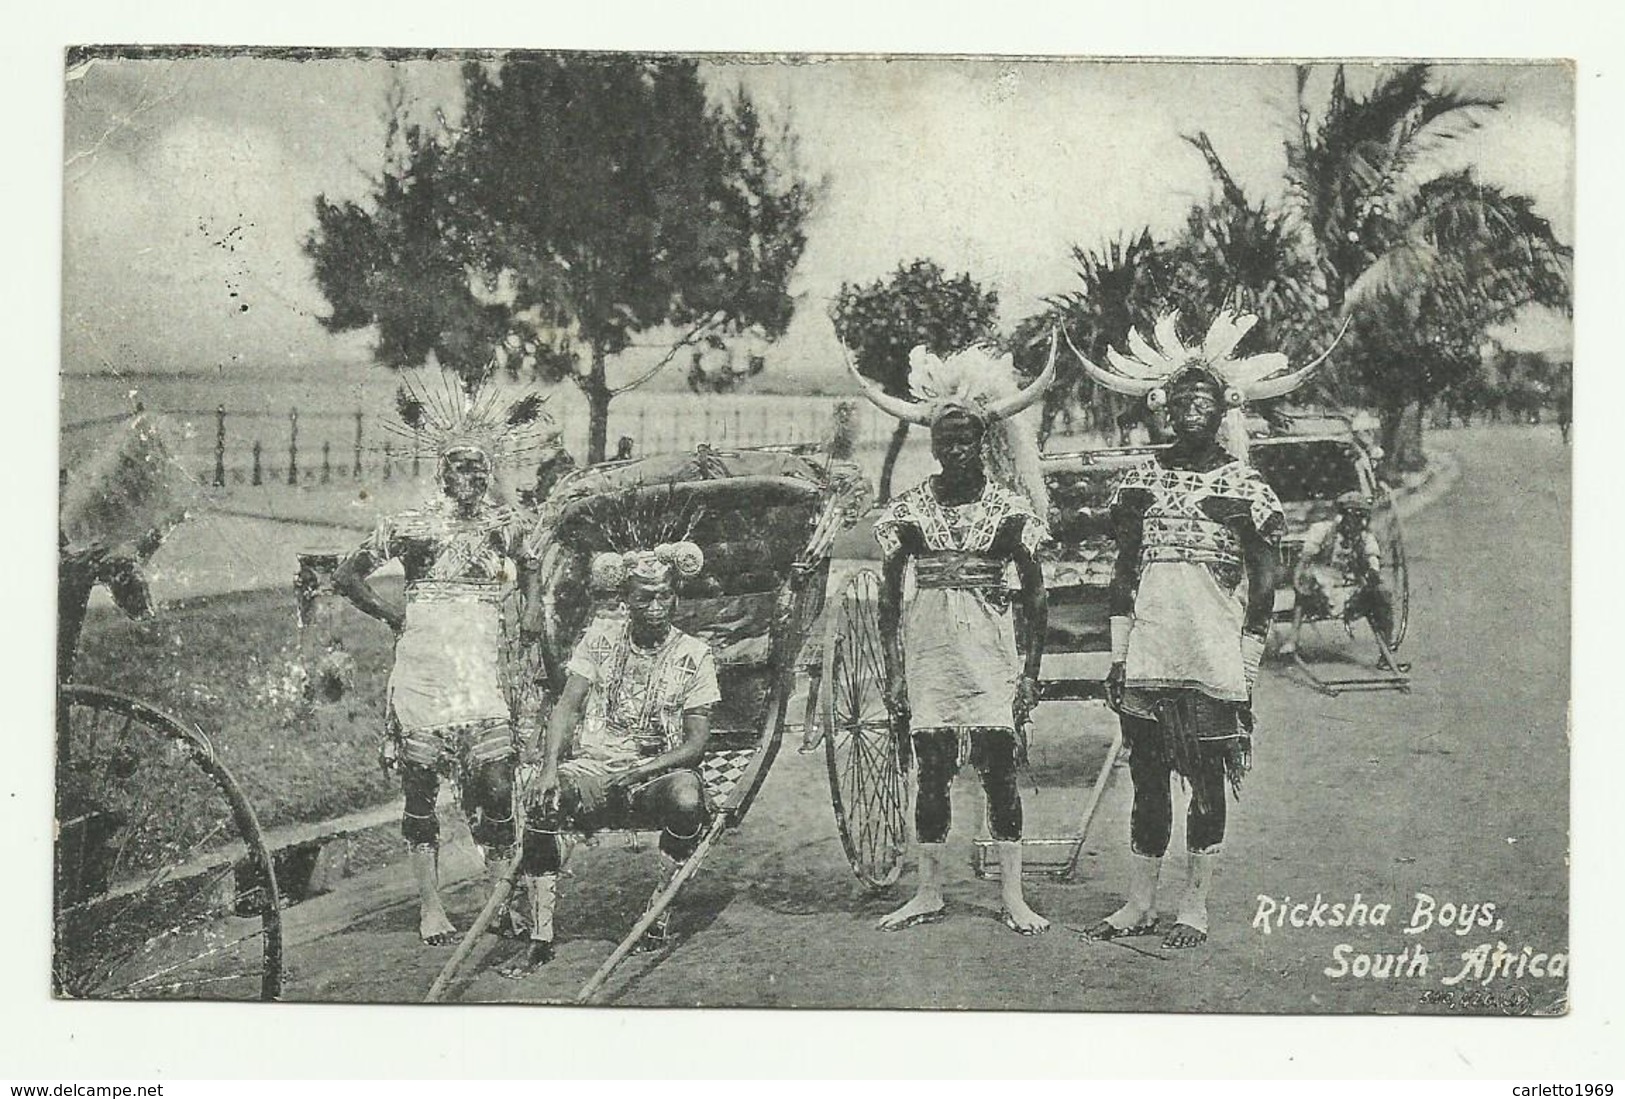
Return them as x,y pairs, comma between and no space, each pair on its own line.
1187,633
448,665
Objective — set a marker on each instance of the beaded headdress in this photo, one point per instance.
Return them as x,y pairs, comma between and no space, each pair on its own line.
611,571
448,418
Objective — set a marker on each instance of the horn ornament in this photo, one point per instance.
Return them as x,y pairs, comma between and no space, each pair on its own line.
1024,399
1112,380
913,412
1286,383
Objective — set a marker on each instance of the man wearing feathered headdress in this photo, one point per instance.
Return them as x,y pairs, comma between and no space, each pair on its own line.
625,738
447,711
1191,600
959,680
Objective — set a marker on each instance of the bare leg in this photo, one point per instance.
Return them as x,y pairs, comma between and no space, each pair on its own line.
1191,926
1138,916
1290,645
434,927
1017,916
927,905
541,896
658,937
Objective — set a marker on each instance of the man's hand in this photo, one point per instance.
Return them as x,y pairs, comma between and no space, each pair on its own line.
1026,699
1114,684
621,780
897,698
543,787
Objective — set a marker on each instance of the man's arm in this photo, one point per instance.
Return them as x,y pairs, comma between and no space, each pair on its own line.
566,716
891,620
696,731
1035,602
1120,604
350,581
1262,566
547,744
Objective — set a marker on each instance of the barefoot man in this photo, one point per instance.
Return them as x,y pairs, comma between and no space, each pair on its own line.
447,711
959,679
1191,524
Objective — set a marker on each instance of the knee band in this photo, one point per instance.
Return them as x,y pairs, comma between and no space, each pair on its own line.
420,829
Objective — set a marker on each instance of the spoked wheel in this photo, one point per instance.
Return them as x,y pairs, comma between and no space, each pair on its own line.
1386,528
867,762
164,888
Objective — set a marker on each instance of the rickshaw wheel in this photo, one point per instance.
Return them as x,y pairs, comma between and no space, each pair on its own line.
867,764
164,887
1390,536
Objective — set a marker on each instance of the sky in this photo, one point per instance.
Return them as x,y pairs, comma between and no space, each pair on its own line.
189,184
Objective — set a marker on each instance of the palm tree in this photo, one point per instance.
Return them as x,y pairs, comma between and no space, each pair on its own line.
1423,266
1252,257
1463,257
1123,283
1428,265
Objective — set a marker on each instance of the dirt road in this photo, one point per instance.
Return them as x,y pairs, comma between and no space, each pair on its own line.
1453,798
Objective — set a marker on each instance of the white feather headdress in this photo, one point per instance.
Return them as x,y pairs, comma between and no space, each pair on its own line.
982,384
1148,367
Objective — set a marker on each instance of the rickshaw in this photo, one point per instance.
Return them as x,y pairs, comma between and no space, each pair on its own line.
163,885
870,766
1309,468
766,520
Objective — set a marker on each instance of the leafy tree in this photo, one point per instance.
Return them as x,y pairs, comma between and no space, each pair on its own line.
578,203
1464,256
917,304
721,367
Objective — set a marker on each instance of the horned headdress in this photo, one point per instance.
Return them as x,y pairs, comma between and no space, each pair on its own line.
982,385
1148,369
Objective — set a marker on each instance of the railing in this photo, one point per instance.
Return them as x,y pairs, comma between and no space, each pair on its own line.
249,448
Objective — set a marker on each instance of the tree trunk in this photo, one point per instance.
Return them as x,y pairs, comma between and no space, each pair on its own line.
1401,438
893,449
598,397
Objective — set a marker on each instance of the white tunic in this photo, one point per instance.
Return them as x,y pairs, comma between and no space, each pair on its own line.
959,642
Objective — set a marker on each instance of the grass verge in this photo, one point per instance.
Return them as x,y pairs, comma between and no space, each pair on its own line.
231,664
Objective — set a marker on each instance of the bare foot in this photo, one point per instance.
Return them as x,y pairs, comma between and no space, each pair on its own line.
435,929
927,906
1182,936
1127,922
536,955
1021,919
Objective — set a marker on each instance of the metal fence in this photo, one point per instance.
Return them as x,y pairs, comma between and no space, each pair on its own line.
257,448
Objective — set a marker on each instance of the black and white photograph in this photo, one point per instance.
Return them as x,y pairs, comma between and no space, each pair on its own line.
846,531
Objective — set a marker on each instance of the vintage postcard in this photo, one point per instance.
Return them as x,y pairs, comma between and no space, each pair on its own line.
815,531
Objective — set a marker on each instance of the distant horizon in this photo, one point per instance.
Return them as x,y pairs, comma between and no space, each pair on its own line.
190,183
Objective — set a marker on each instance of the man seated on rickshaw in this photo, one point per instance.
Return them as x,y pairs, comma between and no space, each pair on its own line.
1341,557
625,738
